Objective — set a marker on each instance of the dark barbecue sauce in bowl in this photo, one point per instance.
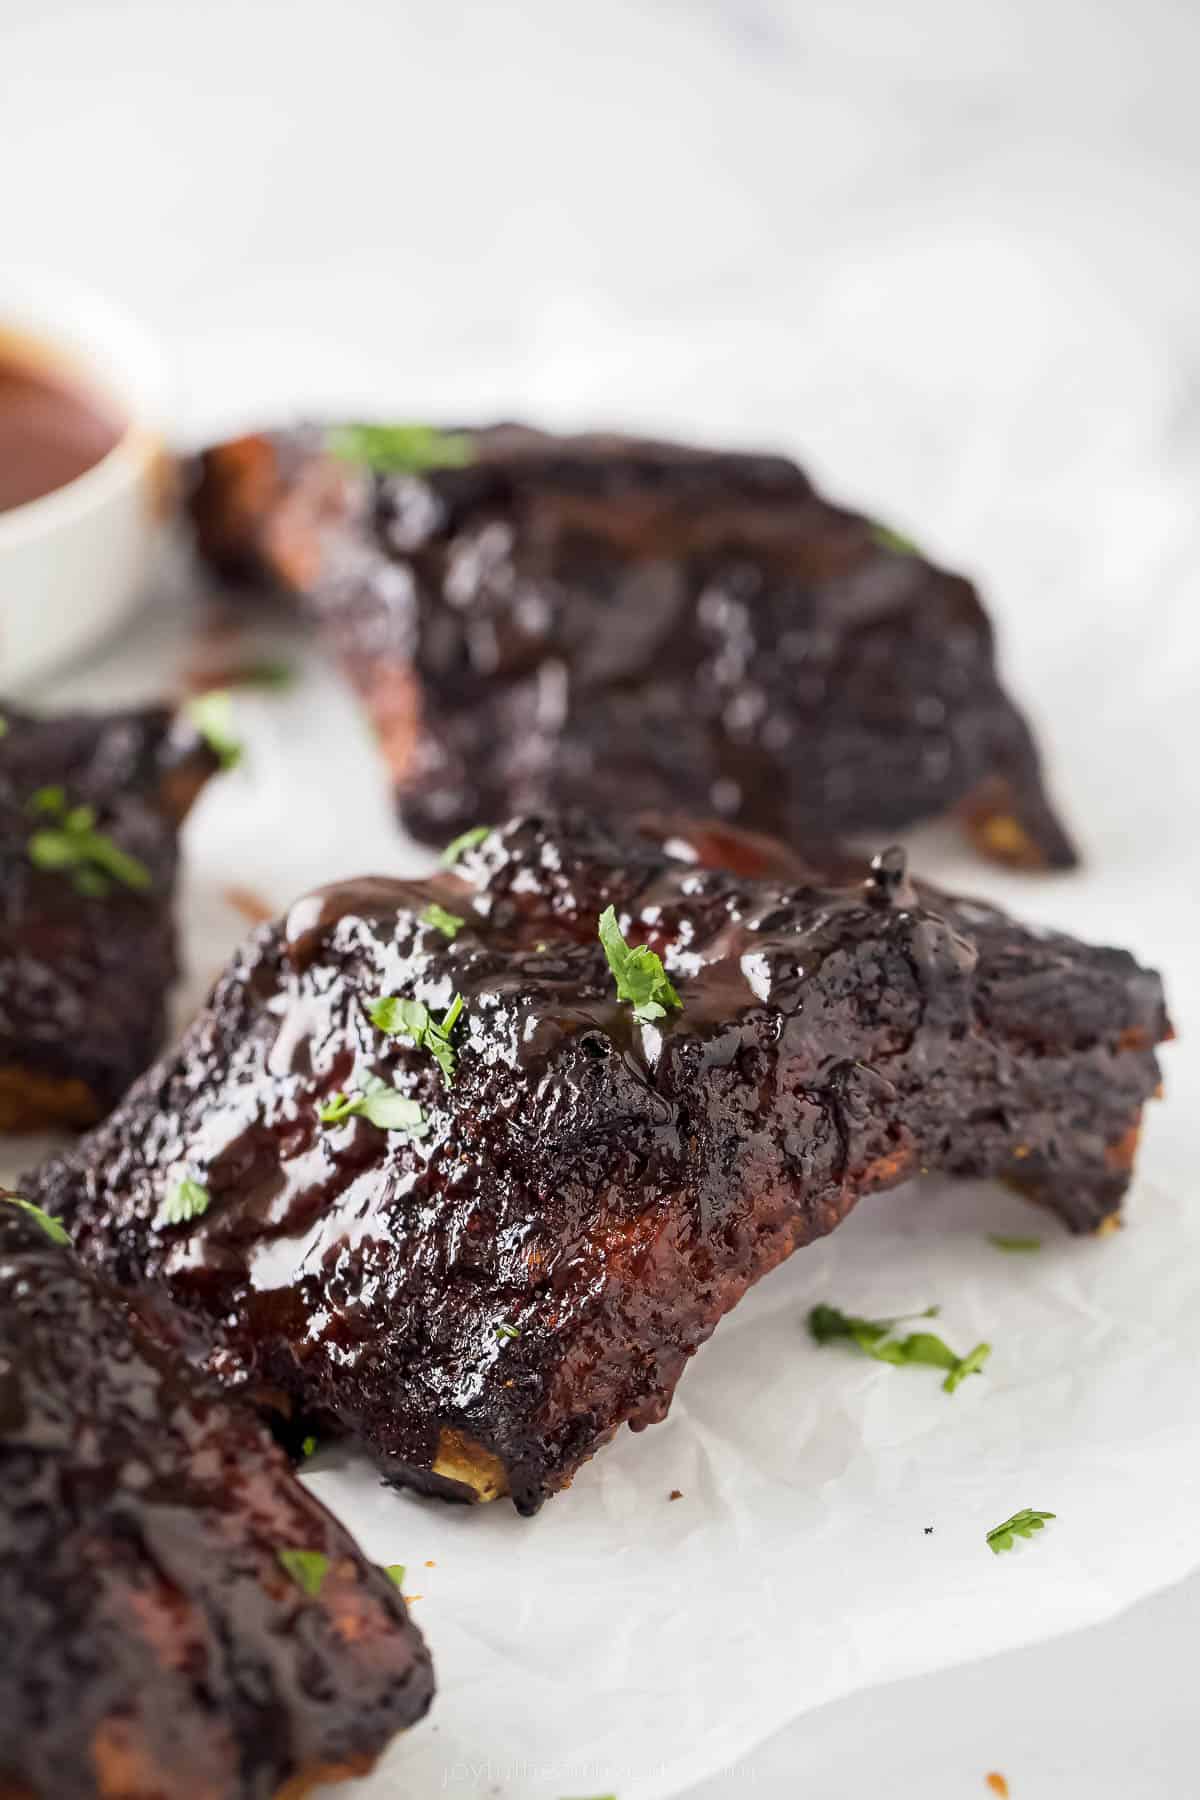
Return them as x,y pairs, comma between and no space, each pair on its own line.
53,428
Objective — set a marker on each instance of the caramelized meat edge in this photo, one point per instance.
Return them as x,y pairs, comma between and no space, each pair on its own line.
90,810
566,620
526,1251
158,1646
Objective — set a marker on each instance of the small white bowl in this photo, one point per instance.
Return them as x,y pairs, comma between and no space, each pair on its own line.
74,561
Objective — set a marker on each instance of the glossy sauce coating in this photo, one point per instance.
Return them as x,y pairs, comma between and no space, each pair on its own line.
154,1645
569,620
75,1028
607,1189
51,430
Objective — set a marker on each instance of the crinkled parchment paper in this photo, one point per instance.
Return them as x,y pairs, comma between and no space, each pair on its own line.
830,1532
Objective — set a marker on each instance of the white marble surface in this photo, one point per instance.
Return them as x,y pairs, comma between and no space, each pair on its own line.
949,251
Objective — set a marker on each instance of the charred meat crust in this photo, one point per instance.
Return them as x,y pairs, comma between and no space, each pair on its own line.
606,1189
84,978
569,619
155,1643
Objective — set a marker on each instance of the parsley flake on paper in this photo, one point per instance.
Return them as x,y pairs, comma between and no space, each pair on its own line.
1022,1524
873,1337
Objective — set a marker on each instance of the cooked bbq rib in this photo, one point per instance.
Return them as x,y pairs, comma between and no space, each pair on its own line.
156,1646
87,955
567,620
603,1188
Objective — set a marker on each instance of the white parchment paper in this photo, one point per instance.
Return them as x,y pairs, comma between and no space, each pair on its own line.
830,1532
947,254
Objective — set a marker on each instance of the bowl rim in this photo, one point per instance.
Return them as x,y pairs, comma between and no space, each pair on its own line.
72,325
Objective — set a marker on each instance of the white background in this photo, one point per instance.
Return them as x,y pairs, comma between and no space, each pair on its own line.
946,251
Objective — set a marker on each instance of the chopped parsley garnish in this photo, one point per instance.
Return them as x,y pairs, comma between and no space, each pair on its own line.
466,840
827,1323
212,715
52,1227
383,1105
873,1337
308,1447
505,1330
639,974
307,1568
73,845
970,1364
887,539
413,1019
1022,1524
399,449
1013,1243
270,672
448,923
188,1199
395,1573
